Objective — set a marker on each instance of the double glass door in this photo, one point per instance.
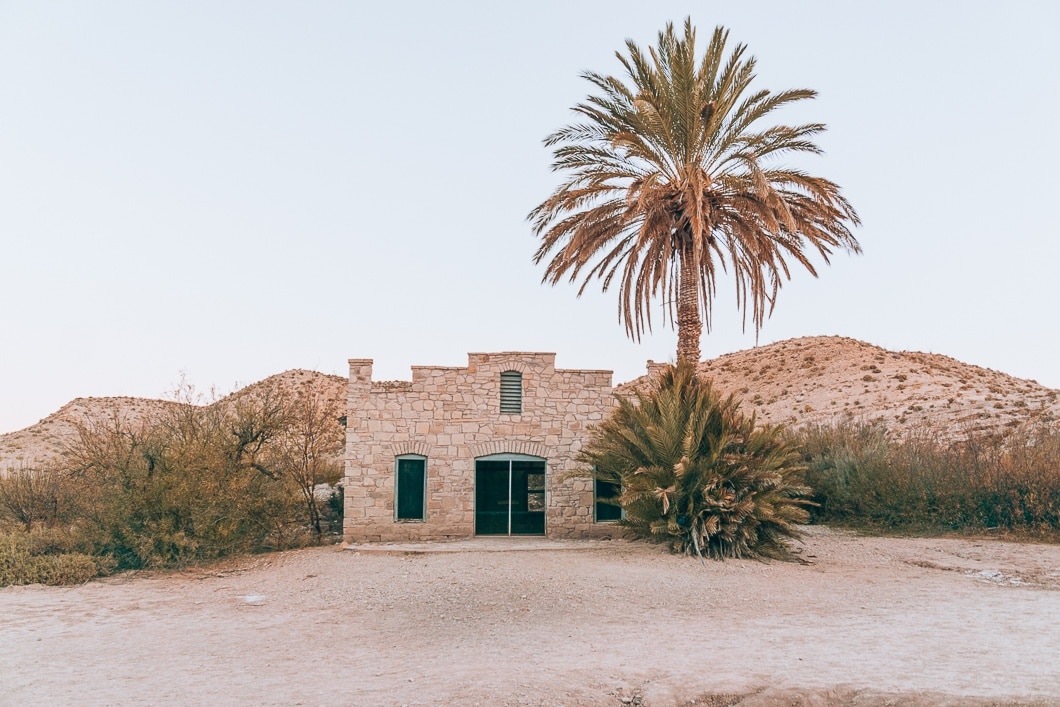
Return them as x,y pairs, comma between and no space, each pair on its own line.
509,495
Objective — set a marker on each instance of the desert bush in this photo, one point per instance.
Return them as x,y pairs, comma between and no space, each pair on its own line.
36,496
307,452
697,473
206,481
927,481
46,556
1016,479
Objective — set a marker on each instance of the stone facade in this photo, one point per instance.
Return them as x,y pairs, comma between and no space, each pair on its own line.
451,416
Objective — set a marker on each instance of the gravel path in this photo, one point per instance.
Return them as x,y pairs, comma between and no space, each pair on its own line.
867,621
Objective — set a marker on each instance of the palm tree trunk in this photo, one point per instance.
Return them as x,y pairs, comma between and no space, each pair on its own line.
689,322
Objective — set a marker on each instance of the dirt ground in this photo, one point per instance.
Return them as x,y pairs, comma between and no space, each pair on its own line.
867,621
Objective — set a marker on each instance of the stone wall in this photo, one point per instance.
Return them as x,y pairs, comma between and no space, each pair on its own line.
451,415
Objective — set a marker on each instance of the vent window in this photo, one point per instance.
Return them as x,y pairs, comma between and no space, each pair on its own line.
511,393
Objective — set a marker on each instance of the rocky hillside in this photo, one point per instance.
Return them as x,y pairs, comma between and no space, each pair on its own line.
802,381
43,442
822,379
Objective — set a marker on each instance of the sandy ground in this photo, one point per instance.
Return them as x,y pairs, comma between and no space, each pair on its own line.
867,621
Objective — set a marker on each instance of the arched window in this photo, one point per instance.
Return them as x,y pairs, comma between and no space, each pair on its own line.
511,393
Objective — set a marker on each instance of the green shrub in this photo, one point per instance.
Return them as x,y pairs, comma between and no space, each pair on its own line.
196,483
925,482
66,569
203,482
177,492
698,474
32,557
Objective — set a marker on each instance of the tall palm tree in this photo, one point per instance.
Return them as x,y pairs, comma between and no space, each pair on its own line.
671,176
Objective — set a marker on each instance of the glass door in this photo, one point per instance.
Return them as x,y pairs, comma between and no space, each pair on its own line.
509,495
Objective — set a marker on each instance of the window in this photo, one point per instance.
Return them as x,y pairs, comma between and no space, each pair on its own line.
410,488
605,493
511,393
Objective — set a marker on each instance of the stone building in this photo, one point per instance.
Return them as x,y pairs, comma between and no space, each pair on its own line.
482,450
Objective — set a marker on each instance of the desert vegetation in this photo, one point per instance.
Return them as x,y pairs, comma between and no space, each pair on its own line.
1006,481
695,472
194,483
168,483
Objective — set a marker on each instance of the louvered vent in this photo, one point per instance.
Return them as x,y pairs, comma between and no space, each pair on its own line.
511,393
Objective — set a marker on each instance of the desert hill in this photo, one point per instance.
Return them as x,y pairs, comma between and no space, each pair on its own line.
808,380
43,442
822,379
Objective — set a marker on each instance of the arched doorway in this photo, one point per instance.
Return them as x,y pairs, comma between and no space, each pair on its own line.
509,495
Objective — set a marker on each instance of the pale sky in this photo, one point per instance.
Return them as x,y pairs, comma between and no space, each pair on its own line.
226,190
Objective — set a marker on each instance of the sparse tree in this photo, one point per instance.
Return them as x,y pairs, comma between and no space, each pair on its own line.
673,175
308,446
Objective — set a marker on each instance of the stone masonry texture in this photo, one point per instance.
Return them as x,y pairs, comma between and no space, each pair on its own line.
451,416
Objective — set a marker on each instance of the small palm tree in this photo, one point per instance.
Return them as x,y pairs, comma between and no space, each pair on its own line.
671,177
694,471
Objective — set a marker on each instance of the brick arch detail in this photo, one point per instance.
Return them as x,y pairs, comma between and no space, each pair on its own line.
507,446
519,366
411,447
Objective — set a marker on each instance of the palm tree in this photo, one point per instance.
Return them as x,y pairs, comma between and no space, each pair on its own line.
671,176
696,472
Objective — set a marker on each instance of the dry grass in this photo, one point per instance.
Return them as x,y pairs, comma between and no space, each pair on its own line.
1008,482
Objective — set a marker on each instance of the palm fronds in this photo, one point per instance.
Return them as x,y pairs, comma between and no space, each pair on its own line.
671,178
697,473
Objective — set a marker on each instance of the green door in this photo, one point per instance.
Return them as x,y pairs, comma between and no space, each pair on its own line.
509,495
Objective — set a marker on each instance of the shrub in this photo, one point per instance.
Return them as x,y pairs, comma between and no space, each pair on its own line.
698,474
35,496
46,557
202,482
171,493
924,482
